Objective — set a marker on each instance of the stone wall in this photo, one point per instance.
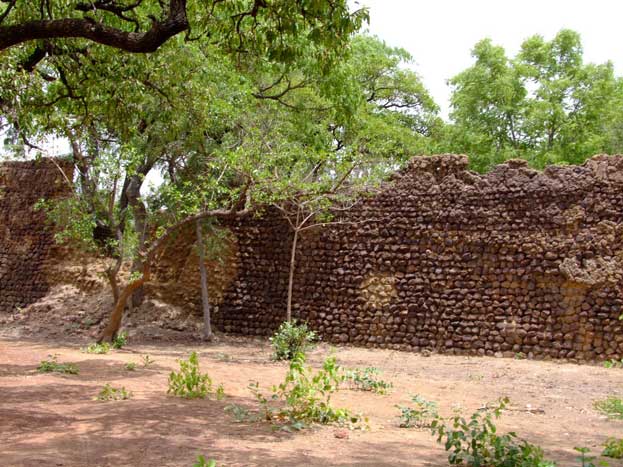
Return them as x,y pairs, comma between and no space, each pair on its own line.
512,262
26,241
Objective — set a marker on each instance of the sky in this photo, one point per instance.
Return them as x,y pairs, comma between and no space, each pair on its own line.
440,34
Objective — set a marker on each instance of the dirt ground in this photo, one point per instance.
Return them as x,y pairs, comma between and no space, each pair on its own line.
53,420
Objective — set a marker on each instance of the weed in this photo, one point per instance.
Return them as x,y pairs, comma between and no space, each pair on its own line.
52,366
613,363
96,348
120,340
475,377
366,380
130,366
612,407
147,360
108,393
291,339
240,413
520,356
586,460
419,416
613,448
475,442
223,357
304,398
220,392
189,382
202,462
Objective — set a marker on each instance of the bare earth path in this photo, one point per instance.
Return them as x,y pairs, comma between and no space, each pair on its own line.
52,420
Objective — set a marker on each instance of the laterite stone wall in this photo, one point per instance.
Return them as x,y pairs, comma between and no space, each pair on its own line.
514,261
26,240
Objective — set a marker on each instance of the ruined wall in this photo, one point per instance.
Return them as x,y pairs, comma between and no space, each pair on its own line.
445,259
26,241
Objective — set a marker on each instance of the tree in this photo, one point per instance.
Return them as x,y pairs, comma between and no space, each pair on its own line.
275,28
544,105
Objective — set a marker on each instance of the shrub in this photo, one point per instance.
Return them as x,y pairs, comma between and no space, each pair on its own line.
108,393
291,339
304,397
147,360
189,382
130,366
422,415
613,448
202,462
120,340
475,442
52,366
612,407
96,348
366,380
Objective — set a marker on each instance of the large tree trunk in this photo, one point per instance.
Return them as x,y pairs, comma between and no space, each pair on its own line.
205,299
291,275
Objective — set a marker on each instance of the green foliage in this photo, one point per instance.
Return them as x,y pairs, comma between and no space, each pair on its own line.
73,221
109,393
202,462
304,397
52,366
475,442
291,339
586,460
613,447
367,380
95,348
240,413
544,105
419,416
120,340
189,382
613,363
611,406
130,366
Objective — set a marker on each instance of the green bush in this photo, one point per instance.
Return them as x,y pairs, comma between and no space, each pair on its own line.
613,447
202,462
304,397
475,442
109,393
189,382
612,407
290,339
422,415
367,380
52,366
120,340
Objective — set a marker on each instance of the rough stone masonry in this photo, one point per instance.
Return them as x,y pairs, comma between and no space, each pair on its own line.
512,262
441,258
26,239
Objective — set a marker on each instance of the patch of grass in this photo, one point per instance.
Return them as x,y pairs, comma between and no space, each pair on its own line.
223,357
52,366
419,416
189,382
367,380
130,366
613,363
292,339
120,340
109,393
612,407
613,447
96,348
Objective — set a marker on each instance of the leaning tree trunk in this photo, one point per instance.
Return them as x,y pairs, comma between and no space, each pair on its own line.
114,322
205,298
133,192
291,275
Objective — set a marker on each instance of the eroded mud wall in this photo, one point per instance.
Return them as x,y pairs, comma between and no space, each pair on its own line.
514,261
26,240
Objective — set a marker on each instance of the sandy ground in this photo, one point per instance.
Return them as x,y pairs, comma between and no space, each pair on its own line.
52,420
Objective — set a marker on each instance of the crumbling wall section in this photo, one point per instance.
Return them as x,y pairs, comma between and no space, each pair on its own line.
26,239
